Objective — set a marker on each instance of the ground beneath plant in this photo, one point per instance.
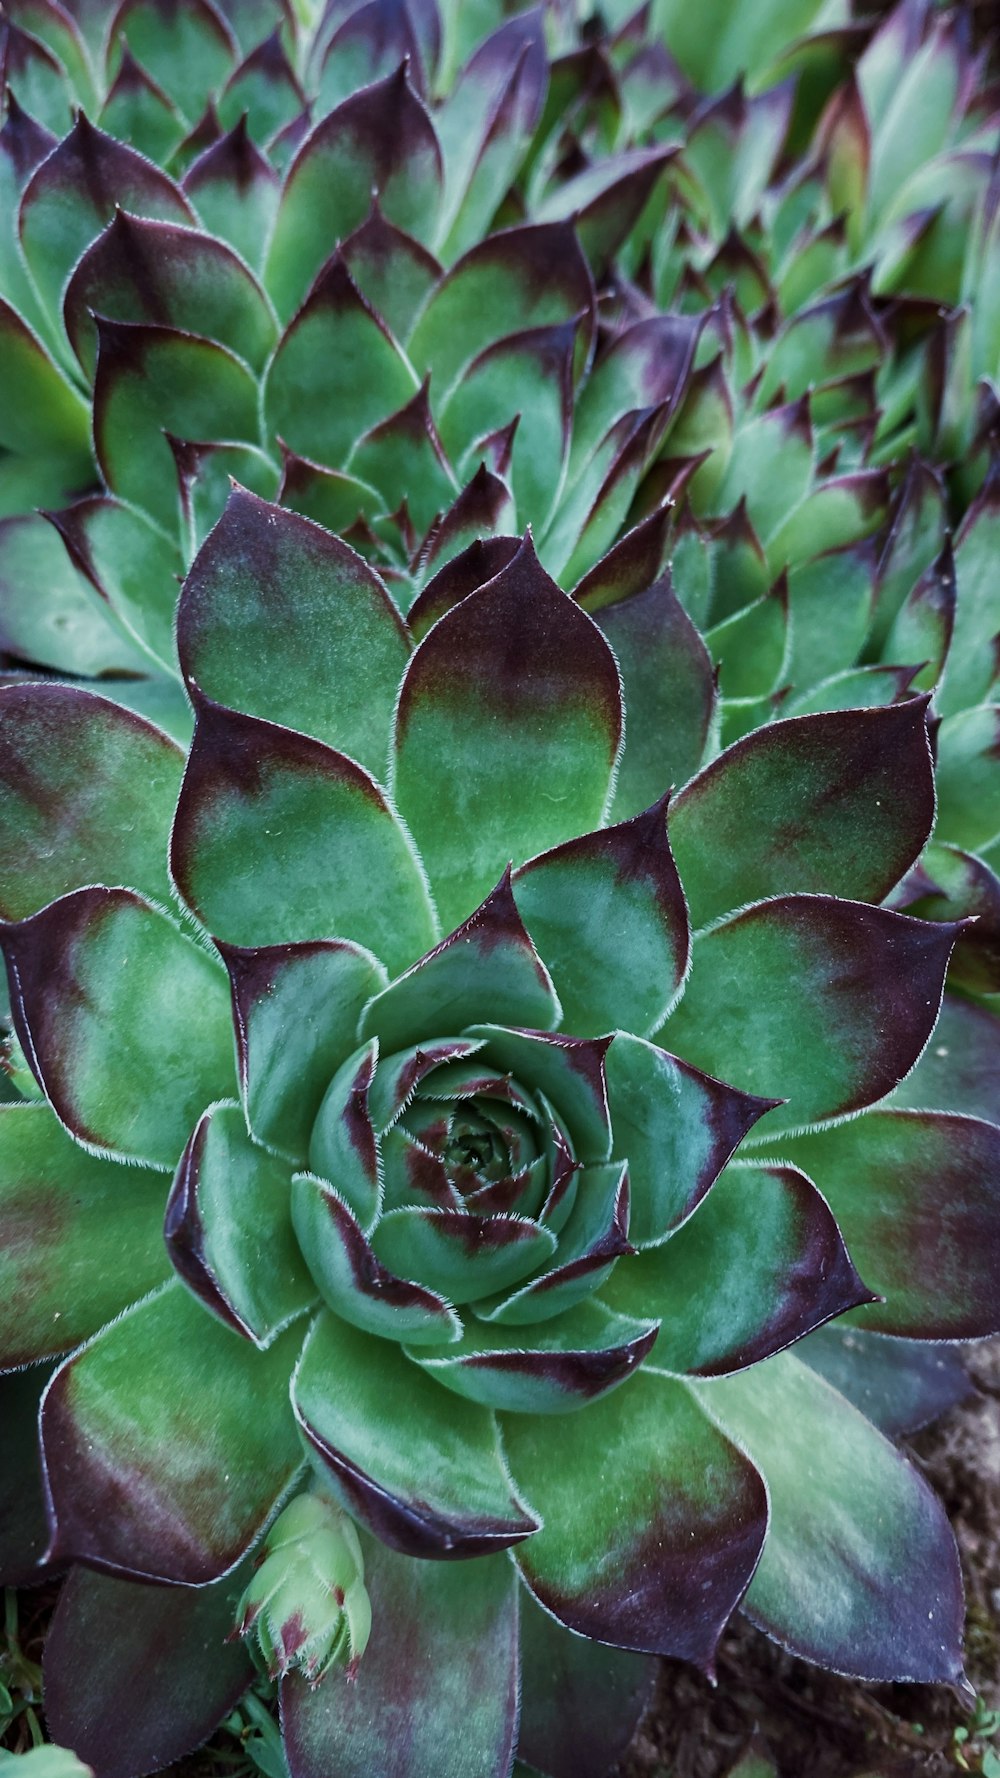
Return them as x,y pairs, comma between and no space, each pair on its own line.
816,1726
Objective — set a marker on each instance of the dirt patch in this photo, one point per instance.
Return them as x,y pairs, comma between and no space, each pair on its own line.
817,1726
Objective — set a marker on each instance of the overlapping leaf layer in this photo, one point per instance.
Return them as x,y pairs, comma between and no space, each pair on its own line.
476,959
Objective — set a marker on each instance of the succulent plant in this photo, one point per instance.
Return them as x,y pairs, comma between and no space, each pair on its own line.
392,1181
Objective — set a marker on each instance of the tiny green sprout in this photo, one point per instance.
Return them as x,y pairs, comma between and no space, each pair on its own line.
307,1604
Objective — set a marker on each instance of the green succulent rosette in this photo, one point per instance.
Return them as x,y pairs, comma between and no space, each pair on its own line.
350,1145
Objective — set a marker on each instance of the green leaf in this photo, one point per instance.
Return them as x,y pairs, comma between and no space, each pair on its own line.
441,1491
353,1282
280,620
111,1641
393,272
39,408
134,568
900,1385
235,193
168,1443
82,1237
382,139
343,1145
916,1196
152,380
73,195
652,1551
608,914
228,1229
825,1002
771,467
139,270
592,1236
923,628
957,1070
278,837
461,1255
839,803
568,1070
676,1127
507,732
126,1021
859,1569
296,1010
87,792
485,126
580,1701
760,1263
264,89
970,668
488,965
62,623
531,375
916,535
968,784
436,1693
188,52
404,458
550,1369
138,111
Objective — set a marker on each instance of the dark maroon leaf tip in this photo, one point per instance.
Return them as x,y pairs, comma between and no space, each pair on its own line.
184,1235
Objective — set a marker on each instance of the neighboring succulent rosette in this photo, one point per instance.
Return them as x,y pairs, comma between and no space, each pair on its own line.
449,1226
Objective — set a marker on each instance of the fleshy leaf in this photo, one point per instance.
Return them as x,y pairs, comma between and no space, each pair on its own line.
296,1009
380,139
459,1254
549,1369
608,915
228,1229
569,1070
970,668
462,575
443,1491
153,380
392,271
112,1640
488,965
187,51
916,1195
343,1144
336,373
580,1701
592,1238
669,689
507,732
125,1021
167,1443
61,1276
860,1570
957,1071
86,794
968,783
900,1385
134,568
652,1552
761,1263
69,629
42,411
826,1002
677,1127
280,620
278,837
839,804
436,1693
486,124
235,192
353,1282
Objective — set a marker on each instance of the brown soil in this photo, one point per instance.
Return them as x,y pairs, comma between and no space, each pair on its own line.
814,1725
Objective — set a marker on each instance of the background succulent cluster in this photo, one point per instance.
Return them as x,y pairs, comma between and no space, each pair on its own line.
498,751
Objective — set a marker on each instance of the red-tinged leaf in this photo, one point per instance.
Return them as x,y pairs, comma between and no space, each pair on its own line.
40,410
676,1127
264,90
899,1385
971,666
344,1143
828,1003
69,628
139,270
483,508
859,1570
529,374
23,1524
607,199
371,42
125,1020
134,568
235,193
399,1076
568,1070
838,804
280,838
554,1368
580,1701
86,794
916,1195
923,629
404,458
280,620
138,110
153,380
392,270
630,567
113,1640
82,1237
436,1693
462,575
915,536
296,1009
958,1071
608,915
337,371
353,1282
486,125
74,194
188,49
653,1551
168,1443
380,139
669,688
488,965
460,1255
968,783
948,884
441,1490
760,1263
532,276
515,697
228,1229
592,1238
861,688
